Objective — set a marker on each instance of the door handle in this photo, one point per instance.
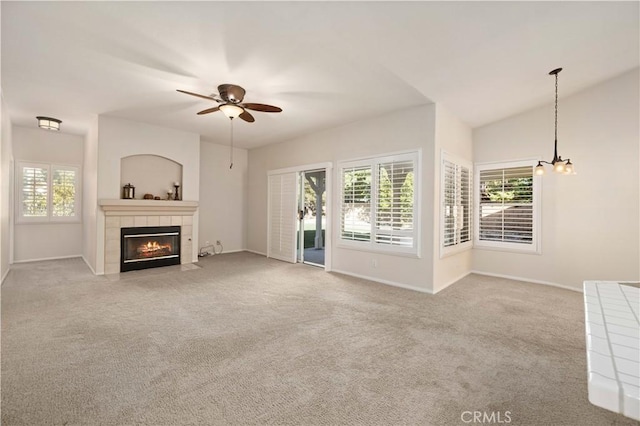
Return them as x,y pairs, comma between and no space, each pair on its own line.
300,214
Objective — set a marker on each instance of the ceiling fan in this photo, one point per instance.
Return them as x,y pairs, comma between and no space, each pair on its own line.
230,97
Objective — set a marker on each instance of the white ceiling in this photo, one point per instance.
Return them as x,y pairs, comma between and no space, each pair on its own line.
325,63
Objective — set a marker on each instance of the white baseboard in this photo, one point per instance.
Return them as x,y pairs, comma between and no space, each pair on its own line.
48,258
5,275
528,280
87,263
230,251
387,282
453,281
255,252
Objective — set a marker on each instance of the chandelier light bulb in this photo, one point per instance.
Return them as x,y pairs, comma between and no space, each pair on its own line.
558,167
539,169
568,168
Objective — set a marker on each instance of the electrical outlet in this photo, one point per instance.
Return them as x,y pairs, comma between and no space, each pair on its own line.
218,242
207,243
374,263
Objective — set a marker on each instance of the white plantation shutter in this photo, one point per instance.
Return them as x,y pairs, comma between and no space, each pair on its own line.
34,196
378,203
456,213
282,217
465,218
355,210
508,205
394,212
64,183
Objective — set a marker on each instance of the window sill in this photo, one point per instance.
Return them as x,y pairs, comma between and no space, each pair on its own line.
49,222
509,249
453,250
379,250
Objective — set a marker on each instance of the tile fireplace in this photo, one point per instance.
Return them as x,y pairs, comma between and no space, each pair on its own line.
157,214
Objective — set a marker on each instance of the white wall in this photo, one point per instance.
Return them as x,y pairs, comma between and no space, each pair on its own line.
408,129
223,196
590,221
454,137
6,190
33,241
151,174
118,138
90,195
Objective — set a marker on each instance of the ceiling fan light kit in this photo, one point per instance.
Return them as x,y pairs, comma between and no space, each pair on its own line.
49,123
559,165
231,110
230,99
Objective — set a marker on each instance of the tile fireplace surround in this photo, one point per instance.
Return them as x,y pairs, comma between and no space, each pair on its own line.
132,213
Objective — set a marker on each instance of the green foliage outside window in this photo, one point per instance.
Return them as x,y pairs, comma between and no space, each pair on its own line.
34,192
64,193
357,186
395,199
514,190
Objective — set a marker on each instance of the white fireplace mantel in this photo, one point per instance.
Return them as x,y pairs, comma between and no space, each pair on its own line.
147,207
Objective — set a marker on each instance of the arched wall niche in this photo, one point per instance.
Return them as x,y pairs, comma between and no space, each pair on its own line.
150,174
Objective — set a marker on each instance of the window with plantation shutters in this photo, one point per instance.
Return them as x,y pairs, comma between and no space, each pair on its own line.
508,206
394,209
47,193
35,191
377,206
355,215
63,197
456,208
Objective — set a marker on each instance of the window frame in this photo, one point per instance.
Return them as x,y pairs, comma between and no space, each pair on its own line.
536,211
50,217
373,163
458,162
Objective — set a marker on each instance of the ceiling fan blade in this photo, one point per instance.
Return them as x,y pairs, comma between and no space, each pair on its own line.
209,110
231,93
262,107
195,94
247,117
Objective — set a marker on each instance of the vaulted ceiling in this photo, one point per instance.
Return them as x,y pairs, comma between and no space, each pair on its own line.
325,63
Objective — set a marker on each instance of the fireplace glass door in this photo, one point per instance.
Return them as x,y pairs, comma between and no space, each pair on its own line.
149,247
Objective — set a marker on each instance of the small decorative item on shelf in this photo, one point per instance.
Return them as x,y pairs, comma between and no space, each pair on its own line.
156,197
169,193
128,192
148,196
176,185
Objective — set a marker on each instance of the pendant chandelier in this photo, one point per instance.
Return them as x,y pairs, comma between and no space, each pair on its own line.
559,165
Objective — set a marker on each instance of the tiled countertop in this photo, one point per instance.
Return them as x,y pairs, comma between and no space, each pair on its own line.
612,327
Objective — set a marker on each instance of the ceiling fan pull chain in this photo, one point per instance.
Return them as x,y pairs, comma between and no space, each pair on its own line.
231,147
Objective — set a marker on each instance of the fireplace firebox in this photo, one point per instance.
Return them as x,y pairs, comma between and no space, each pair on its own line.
149,247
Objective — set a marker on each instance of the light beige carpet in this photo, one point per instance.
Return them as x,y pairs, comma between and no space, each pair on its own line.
248,340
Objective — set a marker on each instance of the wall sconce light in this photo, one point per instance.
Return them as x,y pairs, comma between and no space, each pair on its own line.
48,123
559,165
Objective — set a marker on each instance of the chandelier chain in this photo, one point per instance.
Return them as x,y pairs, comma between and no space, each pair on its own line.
559,165
556,119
